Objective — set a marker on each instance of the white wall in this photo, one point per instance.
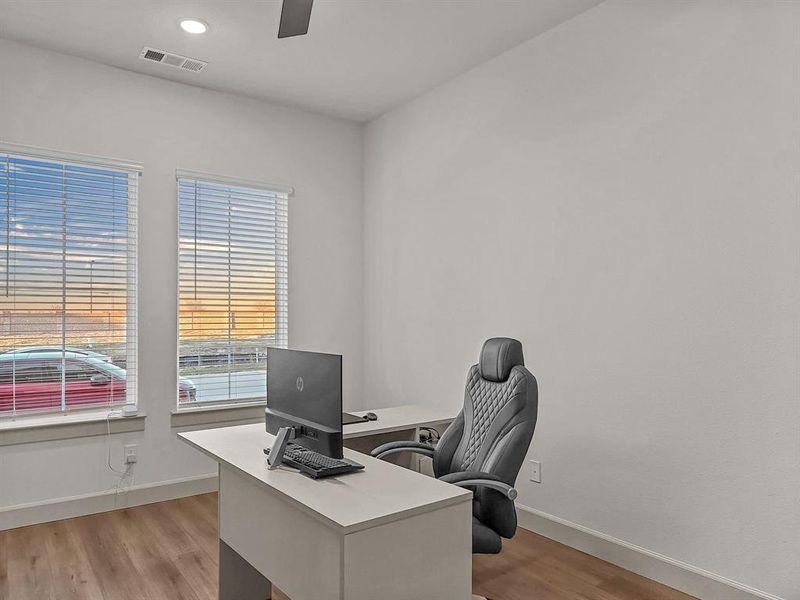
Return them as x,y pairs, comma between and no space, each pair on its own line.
621,194
60,102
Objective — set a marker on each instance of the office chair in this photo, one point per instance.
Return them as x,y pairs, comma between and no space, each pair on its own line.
485,446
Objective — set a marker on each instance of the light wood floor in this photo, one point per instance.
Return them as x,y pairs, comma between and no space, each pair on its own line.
168,551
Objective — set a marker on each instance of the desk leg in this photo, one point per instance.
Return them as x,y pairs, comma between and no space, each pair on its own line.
238,580
389,562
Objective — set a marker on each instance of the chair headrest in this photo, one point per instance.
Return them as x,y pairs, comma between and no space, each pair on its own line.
498,356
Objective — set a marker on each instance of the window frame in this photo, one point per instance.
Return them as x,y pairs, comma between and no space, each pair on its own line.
134,171
217,407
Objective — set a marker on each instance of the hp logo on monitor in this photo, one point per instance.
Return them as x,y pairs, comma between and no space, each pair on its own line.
299,383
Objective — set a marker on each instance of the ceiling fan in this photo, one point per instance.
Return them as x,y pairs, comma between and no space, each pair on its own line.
295,16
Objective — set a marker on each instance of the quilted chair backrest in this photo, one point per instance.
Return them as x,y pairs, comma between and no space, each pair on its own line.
494,430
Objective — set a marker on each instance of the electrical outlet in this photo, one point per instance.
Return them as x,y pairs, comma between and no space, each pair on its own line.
536,471
130,454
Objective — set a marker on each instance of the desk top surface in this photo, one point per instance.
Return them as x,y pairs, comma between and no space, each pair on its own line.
380,494
397,418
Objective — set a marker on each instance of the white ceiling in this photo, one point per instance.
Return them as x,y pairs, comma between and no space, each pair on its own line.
360,58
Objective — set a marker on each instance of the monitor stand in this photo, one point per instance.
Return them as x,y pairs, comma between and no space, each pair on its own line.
275,456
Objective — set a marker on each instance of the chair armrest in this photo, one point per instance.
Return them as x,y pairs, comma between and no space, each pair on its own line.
480,479
397,447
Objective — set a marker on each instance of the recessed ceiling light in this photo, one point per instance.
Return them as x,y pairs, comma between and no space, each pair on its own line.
193,26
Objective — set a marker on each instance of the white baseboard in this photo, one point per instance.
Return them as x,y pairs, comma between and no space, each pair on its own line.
674,573
87,504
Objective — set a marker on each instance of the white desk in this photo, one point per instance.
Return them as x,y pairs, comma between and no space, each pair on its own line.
394,424
386,533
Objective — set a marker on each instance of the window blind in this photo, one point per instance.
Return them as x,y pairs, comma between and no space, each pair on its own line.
233,286
68,237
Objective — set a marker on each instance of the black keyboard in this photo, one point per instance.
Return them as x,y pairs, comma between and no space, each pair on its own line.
314,464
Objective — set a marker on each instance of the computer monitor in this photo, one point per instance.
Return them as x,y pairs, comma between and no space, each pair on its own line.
304,392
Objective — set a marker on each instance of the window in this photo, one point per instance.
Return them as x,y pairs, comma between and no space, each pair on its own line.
67,282
233,281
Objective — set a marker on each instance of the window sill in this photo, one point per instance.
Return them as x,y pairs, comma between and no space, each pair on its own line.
211,415
45,428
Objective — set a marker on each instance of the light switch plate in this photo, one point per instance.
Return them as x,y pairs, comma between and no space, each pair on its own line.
536,471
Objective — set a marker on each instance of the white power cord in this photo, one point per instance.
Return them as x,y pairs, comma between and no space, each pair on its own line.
127,473
113,413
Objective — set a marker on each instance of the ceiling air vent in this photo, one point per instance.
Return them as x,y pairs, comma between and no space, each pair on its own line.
172,60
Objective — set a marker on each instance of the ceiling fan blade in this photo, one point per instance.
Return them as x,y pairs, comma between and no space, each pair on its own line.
295,16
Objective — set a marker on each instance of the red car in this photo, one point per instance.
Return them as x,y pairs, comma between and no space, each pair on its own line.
32,381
